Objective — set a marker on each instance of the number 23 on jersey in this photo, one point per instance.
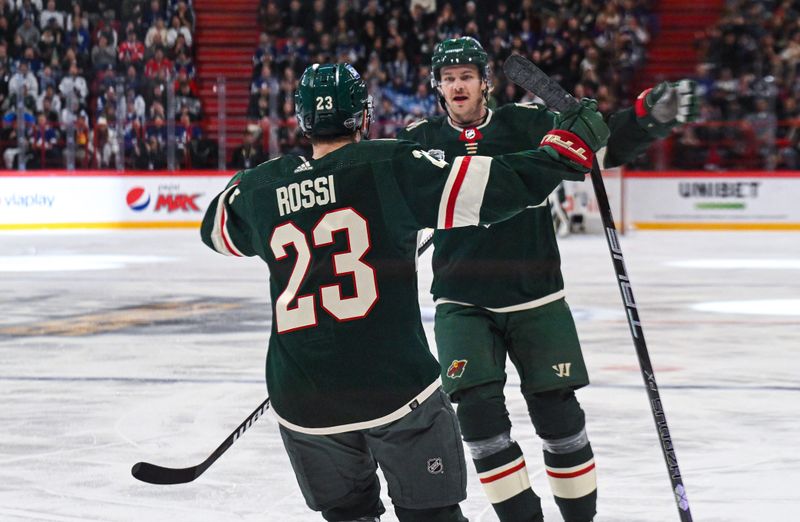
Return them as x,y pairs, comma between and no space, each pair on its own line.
294,312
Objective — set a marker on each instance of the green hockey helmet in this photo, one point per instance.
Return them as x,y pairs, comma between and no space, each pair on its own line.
332,100
465,50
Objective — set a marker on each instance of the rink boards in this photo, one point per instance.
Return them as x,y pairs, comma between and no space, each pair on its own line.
742,200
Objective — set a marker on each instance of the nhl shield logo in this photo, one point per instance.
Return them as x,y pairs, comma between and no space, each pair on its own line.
469,134
456,369
435,466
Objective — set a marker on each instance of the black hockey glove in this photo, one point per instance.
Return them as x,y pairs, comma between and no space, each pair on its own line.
577,134
667,105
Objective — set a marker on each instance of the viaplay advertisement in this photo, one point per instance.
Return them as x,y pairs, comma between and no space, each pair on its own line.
706,201
105,200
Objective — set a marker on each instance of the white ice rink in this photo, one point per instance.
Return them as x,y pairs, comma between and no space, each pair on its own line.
123,346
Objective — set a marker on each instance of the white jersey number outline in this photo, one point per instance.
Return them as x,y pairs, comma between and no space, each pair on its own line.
350,262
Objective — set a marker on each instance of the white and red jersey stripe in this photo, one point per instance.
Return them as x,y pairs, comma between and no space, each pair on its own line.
506,481
462,197
220,237
575,482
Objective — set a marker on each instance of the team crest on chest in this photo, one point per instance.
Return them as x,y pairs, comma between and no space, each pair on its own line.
456,369
470,137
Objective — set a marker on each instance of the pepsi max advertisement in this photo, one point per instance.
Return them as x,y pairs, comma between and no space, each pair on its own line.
106,199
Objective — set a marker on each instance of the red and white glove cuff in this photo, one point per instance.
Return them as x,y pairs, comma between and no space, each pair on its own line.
639,107
570,146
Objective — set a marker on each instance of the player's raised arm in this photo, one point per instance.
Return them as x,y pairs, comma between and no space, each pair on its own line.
654,114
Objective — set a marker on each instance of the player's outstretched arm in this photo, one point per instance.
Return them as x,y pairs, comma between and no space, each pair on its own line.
223,228
474,190
655,113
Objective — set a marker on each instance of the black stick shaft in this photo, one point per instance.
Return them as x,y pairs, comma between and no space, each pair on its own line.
525,74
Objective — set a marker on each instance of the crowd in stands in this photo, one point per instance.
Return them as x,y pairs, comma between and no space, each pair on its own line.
592,47
99,73
748,70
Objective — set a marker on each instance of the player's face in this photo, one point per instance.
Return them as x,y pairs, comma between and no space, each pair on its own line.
462,88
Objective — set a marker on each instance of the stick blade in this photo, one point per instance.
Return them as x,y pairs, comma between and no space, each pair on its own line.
153,474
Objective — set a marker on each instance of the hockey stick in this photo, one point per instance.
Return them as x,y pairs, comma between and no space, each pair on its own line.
155,474
525,74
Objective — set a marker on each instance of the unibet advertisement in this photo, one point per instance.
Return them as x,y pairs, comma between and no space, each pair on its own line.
699,200
105,201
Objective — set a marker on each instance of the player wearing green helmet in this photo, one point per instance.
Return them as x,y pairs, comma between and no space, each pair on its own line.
463,51
499,291
332,101
352,382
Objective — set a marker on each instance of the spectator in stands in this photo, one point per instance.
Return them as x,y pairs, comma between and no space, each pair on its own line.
43,141
74,85
104,57
271,18
249,153
29,32
187,137
157,64
76,18
185,98
51,13
103,146
24,77
78,37
264,53
51,108
152,13
131,51
49,94
179,47
133,80
158,128
156,35
11,156
175,29
50,45
258,108
184,14
184,62
109,27
135,105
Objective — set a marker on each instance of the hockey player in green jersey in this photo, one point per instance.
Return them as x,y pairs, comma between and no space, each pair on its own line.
352,381
500,294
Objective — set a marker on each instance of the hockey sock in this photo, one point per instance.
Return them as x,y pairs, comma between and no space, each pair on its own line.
573,482
442,514
504,478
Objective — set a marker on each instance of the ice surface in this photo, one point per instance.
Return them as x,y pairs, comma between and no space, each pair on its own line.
123,346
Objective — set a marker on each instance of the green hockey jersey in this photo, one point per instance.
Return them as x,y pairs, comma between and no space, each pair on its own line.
515,264
347,349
